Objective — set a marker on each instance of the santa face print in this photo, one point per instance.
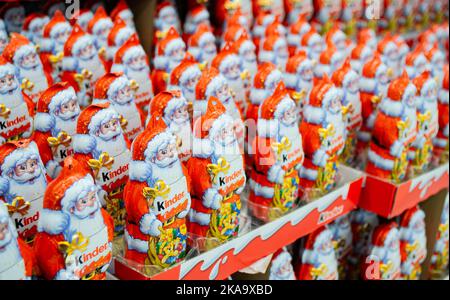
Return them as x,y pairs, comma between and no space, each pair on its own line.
166,156
209,47
325,248
124,96
69,110
410,100
226,136
87,52
307,73
29,61
168,19
353,86
138,62
176,56
248,55
26,172
335,104
61,37
233,71
282,55
289,117
315,49
5,234
223,93
86,205
110,130
339,42
190,83
180,115
8,84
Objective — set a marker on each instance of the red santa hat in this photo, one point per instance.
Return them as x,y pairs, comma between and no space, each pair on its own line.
344,75
267,75
18,47
100,21
298,29
244,43
410,216
226,57
187,69
6,68
119,33
202,36
57,24
145,146
82,17
77,40
295,65
198,14
387,45
165,103
311,37
89,122
120,9
424,82
360,51
35,19
366,35
170,41
129,50
269,47
275,28
320,97
321,235
72,183
272,109
414,59
109,85
334,34
399,89
330,56
51,101
233,33
383,233
370,70
209,81
14,153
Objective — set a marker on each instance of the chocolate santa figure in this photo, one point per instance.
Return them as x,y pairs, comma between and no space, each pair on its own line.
274,6
439,258
403,48
166,16
124,12
360,55
82,18
172,107
185,77
325,13
352,11
55,34
277,157
263,19
395,128
17,260
313,44
230,66
384,259
374,83
55,124
22,53
132,60
347,80
390,55
342,240
23,183
118,90
4,39
157,199
363,224
202,44
103,150
274,49
169,52
421,150
441,141
100,26
16,108
33,27
369,37
438,62
75,240
196,16
318,260
13,14
329,61
299,78
246,50
295,10
416,63
413,243
118,35
281,266
232,33
82,65
323,131
218,176
296,32
339,39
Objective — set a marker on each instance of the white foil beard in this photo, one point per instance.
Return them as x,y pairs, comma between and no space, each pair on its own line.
188,94
30,191
237,85
337,121
88,226
305,85
207,56
94,65
281,62
68,126
381,89
169,174
10,255
251,67
292,131
184,132
229,152
13,100
285,275
142,78
113,147
35,75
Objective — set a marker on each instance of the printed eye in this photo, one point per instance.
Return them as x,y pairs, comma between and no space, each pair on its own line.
22,167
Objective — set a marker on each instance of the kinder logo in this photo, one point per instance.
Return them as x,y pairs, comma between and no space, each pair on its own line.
328,215
22,222
114,174
99,250
15,122
161,206
229,179
63,153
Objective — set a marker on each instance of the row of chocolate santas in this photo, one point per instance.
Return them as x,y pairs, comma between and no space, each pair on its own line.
362,246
